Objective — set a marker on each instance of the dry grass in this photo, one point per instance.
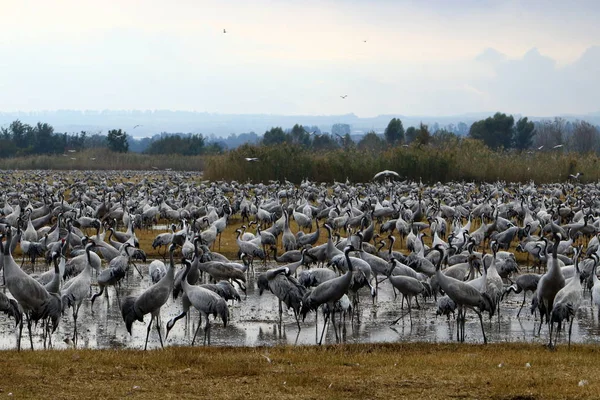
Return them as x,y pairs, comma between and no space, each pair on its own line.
418,370
103,159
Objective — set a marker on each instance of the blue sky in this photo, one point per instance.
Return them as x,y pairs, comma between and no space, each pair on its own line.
297,57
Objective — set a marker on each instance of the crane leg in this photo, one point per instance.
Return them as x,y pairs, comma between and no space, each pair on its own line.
462,325
324,326
20,335
522,304
207,332
280,315
297,320
337,339
550,345
29,329
197,329
75,313
570,329
159,333
148,332
482,330
118,298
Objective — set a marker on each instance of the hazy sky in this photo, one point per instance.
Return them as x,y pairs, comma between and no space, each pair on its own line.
437,57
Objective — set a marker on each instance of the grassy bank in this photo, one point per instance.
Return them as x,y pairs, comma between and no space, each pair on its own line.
382,371
465,160
103,159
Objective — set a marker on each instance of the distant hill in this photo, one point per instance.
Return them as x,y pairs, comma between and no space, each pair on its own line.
149,123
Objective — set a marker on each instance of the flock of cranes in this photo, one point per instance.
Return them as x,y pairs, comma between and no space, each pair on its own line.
459,246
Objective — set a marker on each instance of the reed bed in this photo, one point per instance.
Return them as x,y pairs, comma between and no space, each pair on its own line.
467,160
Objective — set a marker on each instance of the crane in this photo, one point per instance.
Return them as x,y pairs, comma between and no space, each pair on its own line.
329,292
204,300
150,301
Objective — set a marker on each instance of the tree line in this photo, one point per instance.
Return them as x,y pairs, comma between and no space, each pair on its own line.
19,139
498,132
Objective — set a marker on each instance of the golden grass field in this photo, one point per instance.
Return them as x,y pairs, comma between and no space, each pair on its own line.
365,371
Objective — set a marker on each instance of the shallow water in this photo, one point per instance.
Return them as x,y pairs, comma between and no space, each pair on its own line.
255,322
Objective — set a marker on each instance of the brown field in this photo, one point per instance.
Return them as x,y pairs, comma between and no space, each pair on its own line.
366,371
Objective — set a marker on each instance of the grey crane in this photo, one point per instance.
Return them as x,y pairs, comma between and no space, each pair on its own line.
113,274
205,301
224,289
150,301
445,306
157,269
194,274
53,286
288,256
285,287
409,287
550,283
524,283
163,239
567,301
249,248
303,239
315,276
293,266
222,271
266,238
75,265
464,296
493,285
11,308
595,287
329,292
31,296
288,238
77,289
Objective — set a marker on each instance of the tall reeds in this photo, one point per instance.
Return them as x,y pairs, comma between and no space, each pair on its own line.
466,160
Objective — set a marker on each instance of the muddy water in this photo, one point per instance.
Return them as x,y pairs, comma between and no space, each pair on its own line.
255,322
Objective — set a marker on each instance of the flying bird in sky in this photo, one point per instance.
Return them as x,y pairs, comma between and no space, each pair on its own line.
344,96
251,159
558,146
541,147
137,126
224,31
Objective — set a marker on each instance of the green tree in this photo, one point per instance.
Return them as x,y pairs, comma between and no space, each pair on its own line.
411,134
371,142
495,132
45,142
274,136
423,136
444,136
117,141
394,133
585,137
298,135
340,129
524,133
19,133
324,142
